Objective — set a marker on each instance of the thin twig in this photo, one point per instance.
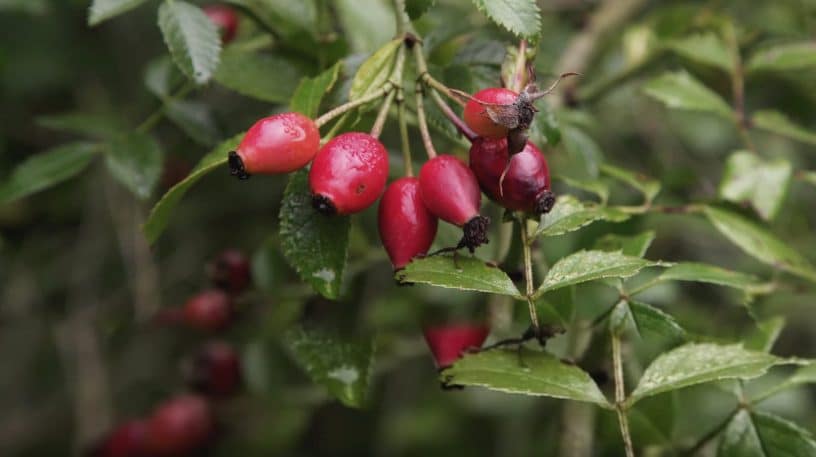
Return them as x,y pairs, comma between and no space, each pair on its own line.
423,123
520,71
620,395
457,121
407,161
344,108
528,274
376,129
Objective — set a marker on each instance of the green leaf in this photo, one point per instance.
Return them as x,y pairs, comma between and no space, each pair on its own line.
809,177
759,243
310,92
525,372
647,186
697,363
570,214
647,318
701,272
161,76
261,76
806,374
314,244
755,434
92,125
594,186
160,214
682,91
793,56
634,245
341,365
192,38
706,48
367,24
740,438
463,273
520,17
374,71
545,129
102,10
766,334
195,119
47,169
582,149
776,122
416,8
763,183
584,266
135,160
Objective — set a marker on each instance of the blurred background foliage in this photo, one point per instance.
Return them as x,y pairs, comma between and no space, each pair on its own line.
80,284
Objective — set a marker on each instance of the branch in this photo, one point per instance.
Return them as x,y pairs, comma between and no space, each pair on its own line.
583,47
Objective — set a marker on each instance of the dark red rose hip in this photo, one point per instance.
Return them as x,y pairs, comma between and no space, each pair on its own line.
216,370
225,19
450,191
180,426
518,183
348,174
407,228
448,342
209,310
230,271
276,144
126,440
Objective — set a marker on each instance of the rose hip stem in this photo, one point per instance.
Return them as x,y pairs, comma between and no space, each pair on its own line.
463,128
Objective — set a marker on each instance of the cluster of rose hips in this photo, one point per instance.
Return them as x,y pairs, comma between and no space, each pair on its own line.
349,173
185,423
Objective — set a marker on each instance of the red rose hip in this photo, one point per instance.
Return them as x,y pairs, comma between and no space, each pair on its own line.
518,183
407,228
348,174
180,426
280,143
230,271
225,19
448,342
450,191
216,370
126,440
476,116
210,310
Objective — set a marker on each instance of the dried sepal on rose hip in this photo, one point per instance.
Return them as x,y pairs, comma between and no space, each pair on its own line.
448,342
450,191
498,112
407,228
225,19
180,426
276,144
520,182
348,174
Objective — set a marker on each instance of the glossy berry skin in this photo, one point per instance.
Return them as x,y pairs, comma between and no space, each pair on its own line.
448,342
225,19
450,190
209,310
216,370
126,440
230,271
280,143
407,228
476,117
526,183
180,426
348,174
